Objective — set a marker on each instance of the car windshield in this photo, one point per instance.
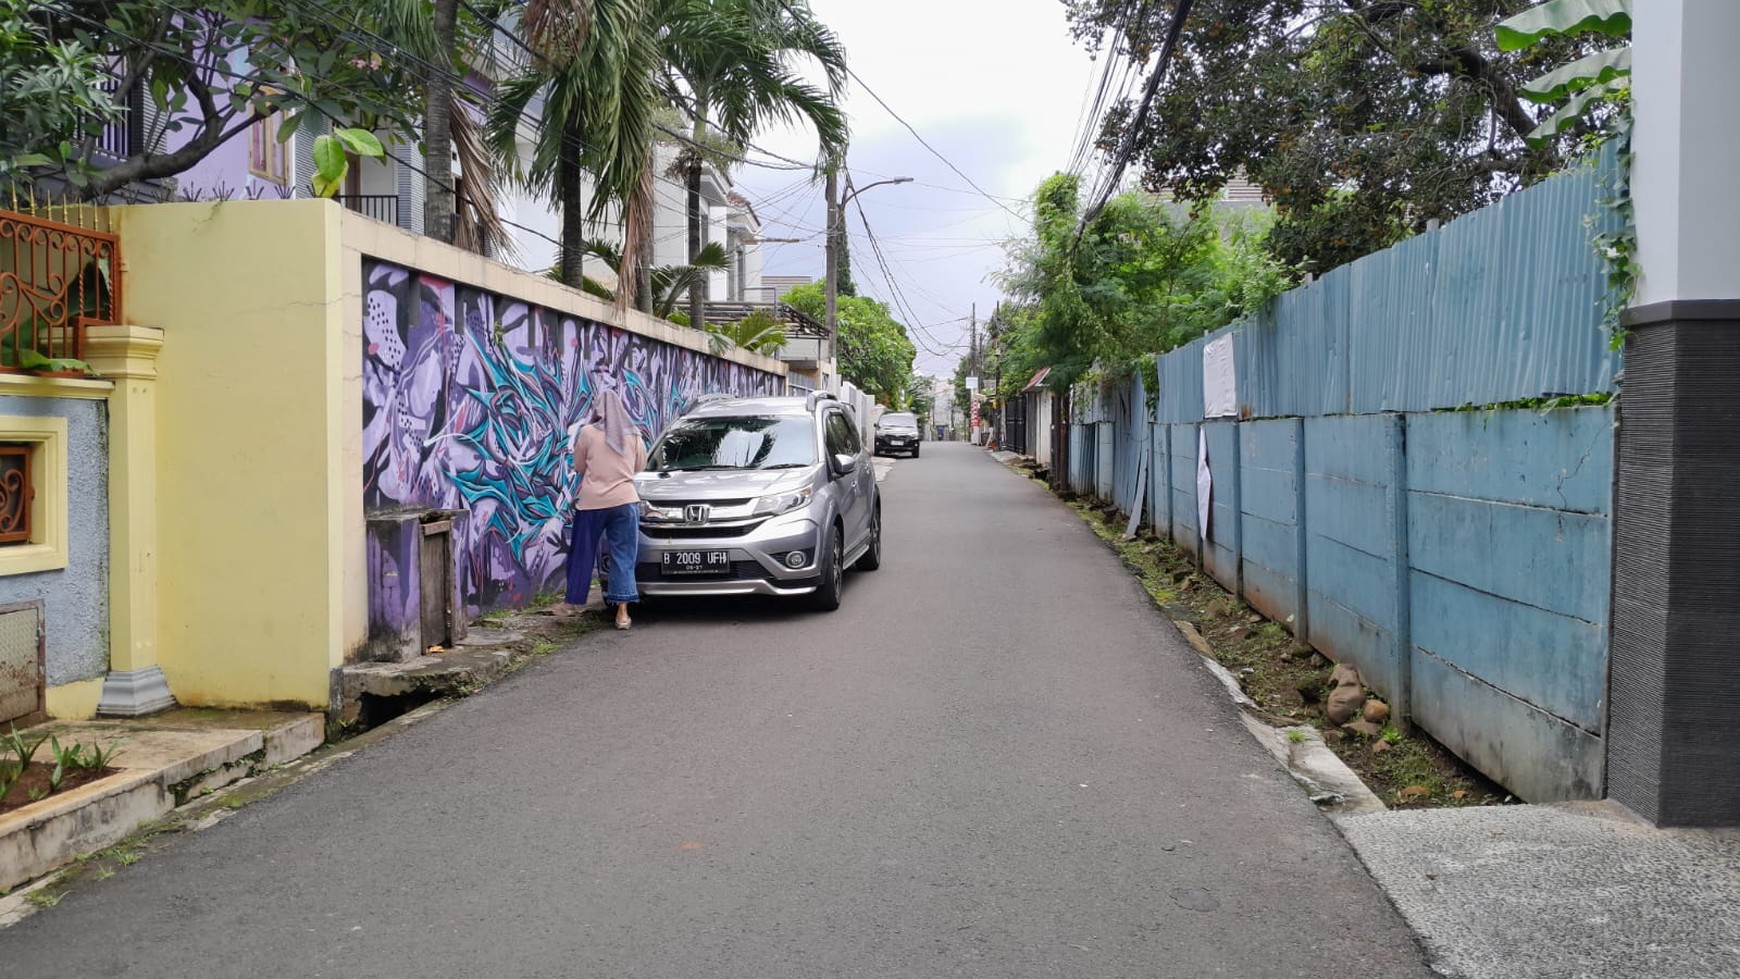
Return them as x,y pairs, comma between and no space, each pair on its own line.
748,442
900,420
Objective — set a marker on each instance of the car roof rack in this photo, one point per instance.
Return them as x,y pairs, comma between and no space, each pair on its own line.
817,397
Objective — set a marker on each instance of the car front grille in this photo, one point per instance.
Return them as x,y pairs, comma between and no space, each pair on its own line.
702,532
715,504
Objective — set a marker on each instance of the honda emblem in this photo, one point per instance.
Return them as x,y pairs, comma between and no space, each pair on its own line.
697,513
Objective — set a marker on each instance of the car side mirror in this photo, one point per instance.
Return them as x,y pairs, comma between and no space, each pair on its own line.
845,465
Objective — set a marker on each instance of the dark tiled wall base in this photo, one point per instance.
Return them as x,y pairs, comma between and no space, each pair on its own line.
1673,754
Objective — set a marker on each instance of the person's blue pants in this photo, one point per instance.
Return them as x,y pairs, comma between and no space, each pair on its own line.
616,528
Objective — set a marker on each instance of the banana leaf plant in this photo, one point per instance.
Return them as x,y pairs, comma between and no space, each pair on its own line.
1602,76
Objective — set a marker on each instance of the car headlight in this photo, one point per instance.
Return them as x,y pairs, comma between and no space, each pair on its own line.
784,502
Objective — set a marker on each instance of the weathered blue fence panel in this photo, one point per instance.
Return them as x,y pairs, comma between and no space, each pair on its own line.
1504,304
1181,383
1483,726
1159,489
1269,531
1221,557
1183,462
1295,360
1509,540
1105,460
1128,433
1081,461
1351,546
1501,305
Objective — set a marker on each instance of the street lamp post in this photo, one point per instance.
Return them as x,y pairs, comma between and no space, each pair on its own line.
836,230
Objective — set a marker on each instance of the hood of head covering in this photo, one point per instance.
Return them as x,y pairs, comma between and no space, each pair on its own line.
610,414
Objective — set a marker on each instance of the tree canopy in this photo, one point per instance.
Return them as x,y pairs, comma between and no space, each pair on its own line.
207,73
875,353
1145,276
1362,120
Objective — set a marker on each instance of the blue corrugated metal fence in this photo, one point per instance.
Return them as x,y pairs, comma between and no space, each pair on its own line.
1459,558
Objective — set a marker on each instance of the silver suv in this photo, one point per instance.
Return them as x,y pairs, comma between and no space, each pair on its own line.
759,496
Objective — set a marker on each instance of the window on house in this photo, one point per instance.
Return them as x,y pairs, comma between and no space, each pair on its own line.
17,493
267,157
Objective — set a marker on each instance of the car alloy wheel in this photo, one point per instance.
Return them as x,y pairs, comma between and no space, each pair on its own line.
827,594
871,559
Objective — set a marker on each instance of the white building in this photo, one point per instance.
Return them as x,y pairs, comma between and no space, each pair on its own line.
727,218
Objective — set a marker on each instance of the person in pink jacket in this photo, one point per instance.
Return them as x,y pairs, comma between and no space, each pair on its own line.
608,451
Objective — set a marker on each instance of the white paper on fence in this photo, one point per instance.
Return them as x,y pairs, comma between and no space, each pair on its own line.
1204,485
1220,385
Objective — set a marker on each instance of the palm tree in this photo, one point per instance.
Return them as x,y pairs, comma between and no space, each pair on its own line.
759,332
734,66
439,206
436,36
668,282
592,87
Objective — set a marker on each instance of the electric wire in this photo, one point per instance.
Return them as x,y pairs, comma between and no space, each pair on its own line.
1127,145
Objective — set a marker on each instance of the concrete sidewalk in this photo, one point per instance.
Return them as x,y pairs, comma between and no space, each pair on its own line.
1561,891
163,761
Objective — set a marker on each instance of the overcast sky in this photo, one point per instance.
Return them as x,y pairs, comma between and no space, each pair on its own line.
997,87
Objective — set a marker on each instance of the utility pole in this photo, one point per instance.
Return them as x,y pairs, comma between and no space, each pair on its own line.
996,352
973,377
833,259
836,235
973,347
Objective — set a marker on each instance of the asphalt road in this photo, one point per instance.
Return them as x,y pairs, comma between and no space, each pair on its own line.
995,760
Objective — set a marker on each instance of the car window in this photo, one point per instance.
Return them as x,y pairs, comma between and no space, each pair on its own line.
852,439
842,440
746,442
899,420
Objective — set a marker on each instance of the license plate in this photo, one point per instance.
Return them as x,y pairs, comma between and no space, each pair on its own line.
696,562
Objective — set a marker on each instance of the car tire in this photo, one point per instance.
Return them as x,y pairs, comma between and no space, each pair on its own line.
915,452
826,597
871,559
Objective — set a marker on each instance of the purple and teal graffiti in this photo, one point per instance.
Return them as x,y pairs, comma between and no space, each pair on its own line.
470,401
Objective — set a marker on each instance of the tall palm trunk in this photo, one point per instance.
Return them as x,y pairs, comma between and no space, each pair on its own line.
643,291
439,209
570,187
698,291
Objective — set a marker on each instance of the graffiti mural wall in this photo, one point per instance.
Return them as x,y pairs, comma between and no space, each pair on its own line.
470,400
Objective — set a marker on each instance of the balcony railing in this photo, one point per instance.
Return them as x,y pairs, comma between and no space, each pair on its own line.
54,279
381,207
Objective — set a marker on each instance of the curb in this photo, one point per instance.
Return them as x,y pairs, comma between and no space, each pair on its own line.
1328,781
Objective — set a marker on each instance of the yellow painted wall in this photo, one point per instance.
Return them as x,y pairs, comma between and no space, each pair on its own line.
250,491
353,556
75,701
262,564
